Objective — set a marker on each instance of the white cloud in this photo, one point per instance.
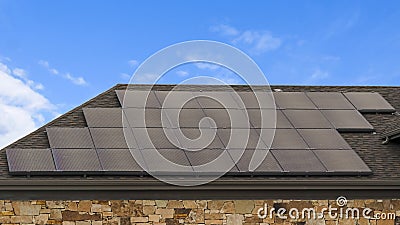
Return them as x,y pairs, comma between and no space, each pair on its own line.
75,80
23,75
257,41
22,108
133,62
225,30
316,76
125,76
203,65
182,73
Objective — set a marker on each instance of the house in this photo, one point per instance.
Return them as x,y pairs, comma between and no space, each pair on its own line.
330,142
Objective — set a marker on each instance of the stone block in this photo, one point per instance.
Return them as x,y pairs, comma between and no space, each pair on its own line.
25,208
139,219
244,206
84,206
234,219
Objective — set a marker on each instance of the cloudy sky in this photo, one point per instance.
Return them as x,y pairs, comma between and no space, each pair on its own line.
55,55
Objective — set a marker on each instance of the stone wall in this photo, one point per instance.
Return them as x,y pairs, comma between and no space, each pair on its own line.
171,212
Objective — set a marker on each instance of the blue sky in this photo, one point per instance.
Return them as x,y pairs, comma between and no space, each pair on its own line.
55,55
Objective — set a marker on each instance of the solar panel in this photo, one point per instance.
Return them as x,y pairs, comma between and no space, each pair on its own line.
108,137
268,119
148,117
299,161
103,117
369,102
76,160
216,100
251,136
329,100
348,120
307,119
155,138
29,160
323,139
177,99
69,137
211,161
188,118
268,165
256,100
235,118
135,99
192,138
167,161
338,161
118,160
286,139
293,100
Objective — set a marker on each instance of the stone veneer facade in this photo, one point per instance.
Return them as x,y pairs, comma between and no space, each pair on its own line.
172,212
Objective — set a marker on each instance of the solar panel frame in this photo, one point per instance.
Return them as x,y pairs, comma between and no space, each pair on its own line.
299,162
30,161
342,162
324,139
63,137
108,138
307,119
77,161
293,100
103,117
330,100
348,120
369,102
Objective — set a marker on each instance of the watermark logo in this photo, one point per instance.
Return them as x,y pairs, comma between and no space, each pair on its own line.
142,141
330,212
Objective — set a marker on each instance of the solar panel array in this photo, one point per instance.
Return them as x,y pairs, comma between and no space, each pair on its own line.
306,142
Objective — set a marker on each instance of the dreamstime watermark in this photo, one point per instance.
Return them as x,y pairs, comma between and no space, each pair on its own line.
142,141
339,212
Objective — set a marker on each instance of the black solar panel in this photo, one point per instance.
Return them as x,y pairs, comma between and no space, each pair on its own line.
329,100
193,138
299,161
268,166
118,160
287,139
339,161
76,160
307,119
270,119
217,99
103,117
167,161
177,99
69,137
108,137
188,118
30,161
137,99
251,136
149,117
323,139
348,120
257,100
155,138
369,102
235,118
293,100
